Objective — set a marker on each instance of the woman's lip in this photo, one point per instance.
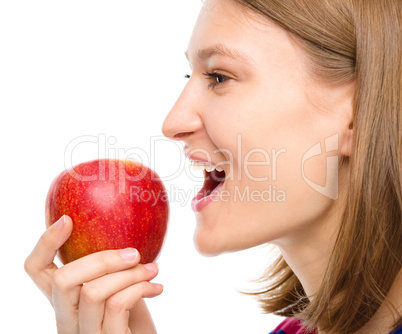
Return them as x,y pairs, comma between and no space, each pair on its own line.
198,202
194,158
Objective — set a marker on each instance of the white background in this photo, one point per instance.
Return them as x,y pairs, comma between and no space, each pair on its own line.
88,71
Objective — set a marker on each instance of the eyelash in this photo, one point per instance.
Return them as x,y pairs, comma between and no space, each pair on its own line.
217,78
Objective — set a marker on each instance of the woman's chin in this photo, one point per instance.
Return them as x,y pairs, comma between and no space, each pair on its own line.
206,246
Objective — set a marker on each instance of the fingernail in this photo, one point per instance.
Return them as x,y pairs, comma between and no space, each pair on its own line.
59,224
157,286
129,254
151,266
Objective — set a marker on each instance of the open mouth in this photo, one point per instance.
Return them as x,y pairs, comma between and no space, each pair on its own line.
211,181
214,177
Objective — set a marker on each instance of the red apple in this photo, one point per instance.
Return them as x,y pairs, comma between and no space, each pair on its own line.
113,204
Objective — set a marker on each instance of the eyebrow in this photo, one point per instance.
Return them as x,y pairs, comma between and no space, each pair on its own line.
220,49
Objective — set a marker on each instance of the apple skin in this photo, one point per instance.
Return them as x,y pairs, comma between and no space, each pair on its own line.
113,204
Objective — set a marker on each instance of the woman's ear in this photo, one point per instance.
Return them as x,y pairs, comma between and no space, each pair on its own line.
346,146
342,100
338,102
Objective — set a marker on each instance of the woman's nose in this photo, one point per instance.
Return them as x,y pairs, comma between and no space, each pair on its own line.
183,119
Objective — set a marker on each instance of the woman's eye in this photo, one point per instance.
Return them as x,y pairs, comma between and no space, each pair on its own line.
187,76
215,78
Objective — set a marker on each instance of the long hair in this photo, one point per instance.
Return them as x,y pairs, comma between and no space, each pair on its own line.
345,40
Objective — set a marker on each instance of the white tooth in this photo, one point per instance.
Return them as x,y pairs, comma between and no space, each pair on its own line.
197,167
200,166
198,163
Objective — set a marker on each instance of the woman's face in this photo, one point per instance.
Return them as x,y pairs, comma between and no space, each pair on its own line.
250,108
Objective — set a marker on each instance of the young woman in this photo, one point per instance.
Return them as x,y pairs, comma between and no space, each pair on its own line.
293,107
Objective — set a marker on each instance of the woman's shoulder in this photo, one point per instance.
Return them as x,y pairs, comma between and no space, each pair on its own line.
291,326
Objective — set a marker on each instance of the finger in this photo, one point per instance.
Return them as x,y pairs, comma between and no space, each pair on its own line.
39,264
96,265
117,307
68,280
95,293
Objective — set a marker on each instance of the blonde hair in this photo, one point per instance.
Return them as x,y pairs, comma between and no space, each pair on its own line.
347,40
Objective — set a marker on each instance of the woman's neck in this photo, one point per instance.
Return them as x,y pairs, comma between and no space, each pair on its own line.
308,250
389,312
308,259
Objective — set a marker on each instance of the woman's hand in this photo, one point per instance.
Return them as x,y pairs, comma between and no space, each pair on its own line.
94,294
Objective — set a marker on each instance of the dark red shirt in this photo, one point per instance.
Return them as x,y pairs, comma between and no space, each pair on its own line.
291,326
295,326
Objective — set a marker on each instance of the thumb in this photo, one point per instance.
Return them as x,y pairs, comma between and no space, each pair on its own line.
39,264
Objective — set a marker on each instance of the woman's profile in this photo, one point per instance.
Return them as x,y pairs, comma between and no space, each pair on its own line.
300,97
